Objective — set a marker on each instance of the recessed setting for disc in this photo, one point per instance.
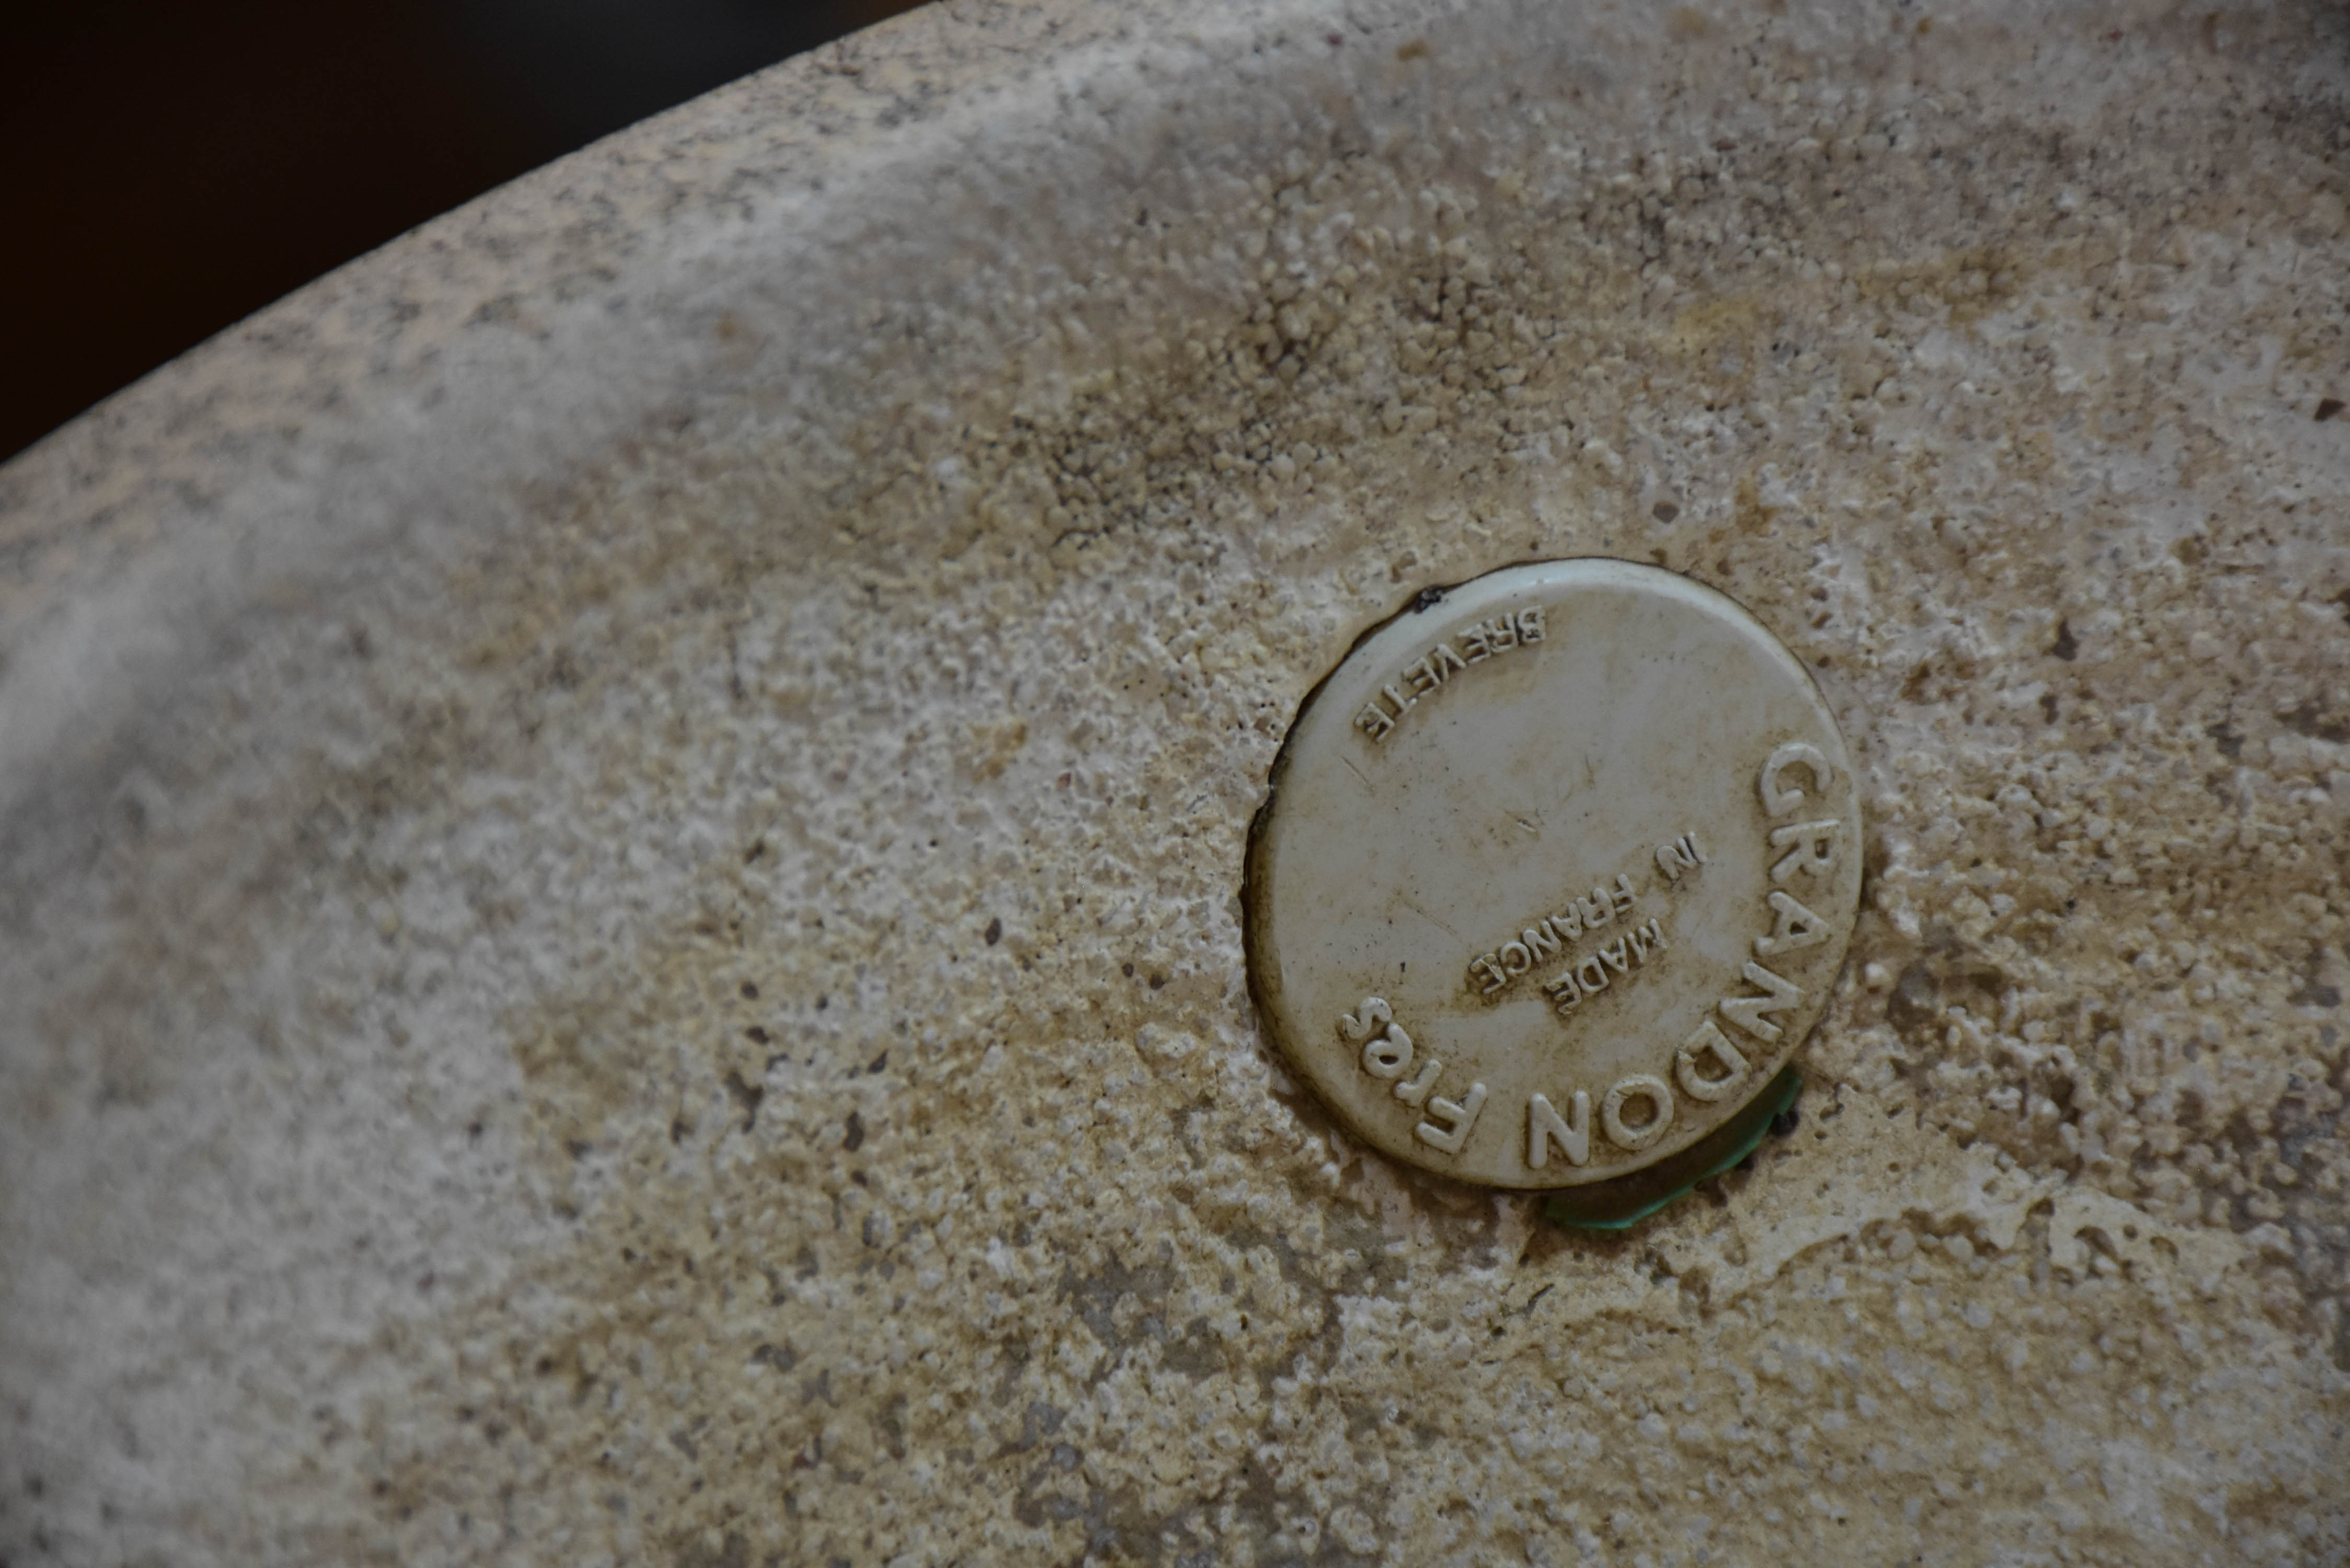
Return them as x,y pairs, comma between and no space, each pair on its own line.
1555,872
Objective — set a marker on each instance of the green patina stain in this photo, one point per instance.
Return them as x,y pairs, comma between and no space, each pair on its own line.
1620,1204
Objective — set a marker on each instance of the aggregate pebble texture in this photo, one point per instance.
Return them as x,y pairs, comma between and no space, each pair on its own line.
621,822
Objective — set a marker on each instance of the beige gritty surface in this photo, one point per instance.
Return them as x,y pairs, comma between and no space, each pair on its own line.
620,826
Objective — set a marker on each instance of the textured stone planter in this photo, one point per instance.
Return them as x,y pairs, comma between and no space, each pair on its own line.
621,824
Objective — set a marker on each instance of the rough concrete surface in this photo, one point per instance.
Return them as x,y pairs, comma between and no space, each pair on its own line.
620,826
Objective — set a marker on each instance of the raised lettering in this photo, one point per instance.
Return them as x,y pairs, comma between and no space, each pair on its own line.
1388,1054
1797,928
1623,894
1388,1050
1639,1086
1459,1118
1682,854
1544,1128
1780,798
1427,674
1414,1092
1747,1011
1707,1040
1813,851
1618,958
1551,939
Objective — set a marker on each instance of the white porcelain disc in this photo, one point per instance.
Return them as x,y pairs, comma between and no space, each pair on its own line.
1555,872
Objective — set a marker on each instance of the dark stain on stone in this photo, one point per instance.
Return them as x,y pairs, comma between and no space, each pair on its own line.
2313,721
2230,739
733,1552
1039,1421
746,1095
2327,408
1914,1003
1933,981
1117,1529
2314,990
1095,1296
1194,1353
994,931
853,1139
2065,647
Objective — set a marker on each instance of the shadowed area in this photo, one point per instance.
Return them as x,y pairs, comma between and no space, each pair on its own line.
171,169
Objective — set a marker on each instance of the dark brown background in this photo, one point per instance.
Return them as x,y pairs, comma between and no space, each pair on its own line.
166,169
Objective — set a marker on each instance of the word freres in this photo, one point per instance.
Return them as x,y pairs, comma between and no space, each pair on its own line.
1546,937
1388,1055
1478,642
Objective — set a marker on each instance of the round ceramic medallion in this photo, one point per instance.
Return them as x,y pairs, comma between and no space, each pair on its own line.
1556,870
